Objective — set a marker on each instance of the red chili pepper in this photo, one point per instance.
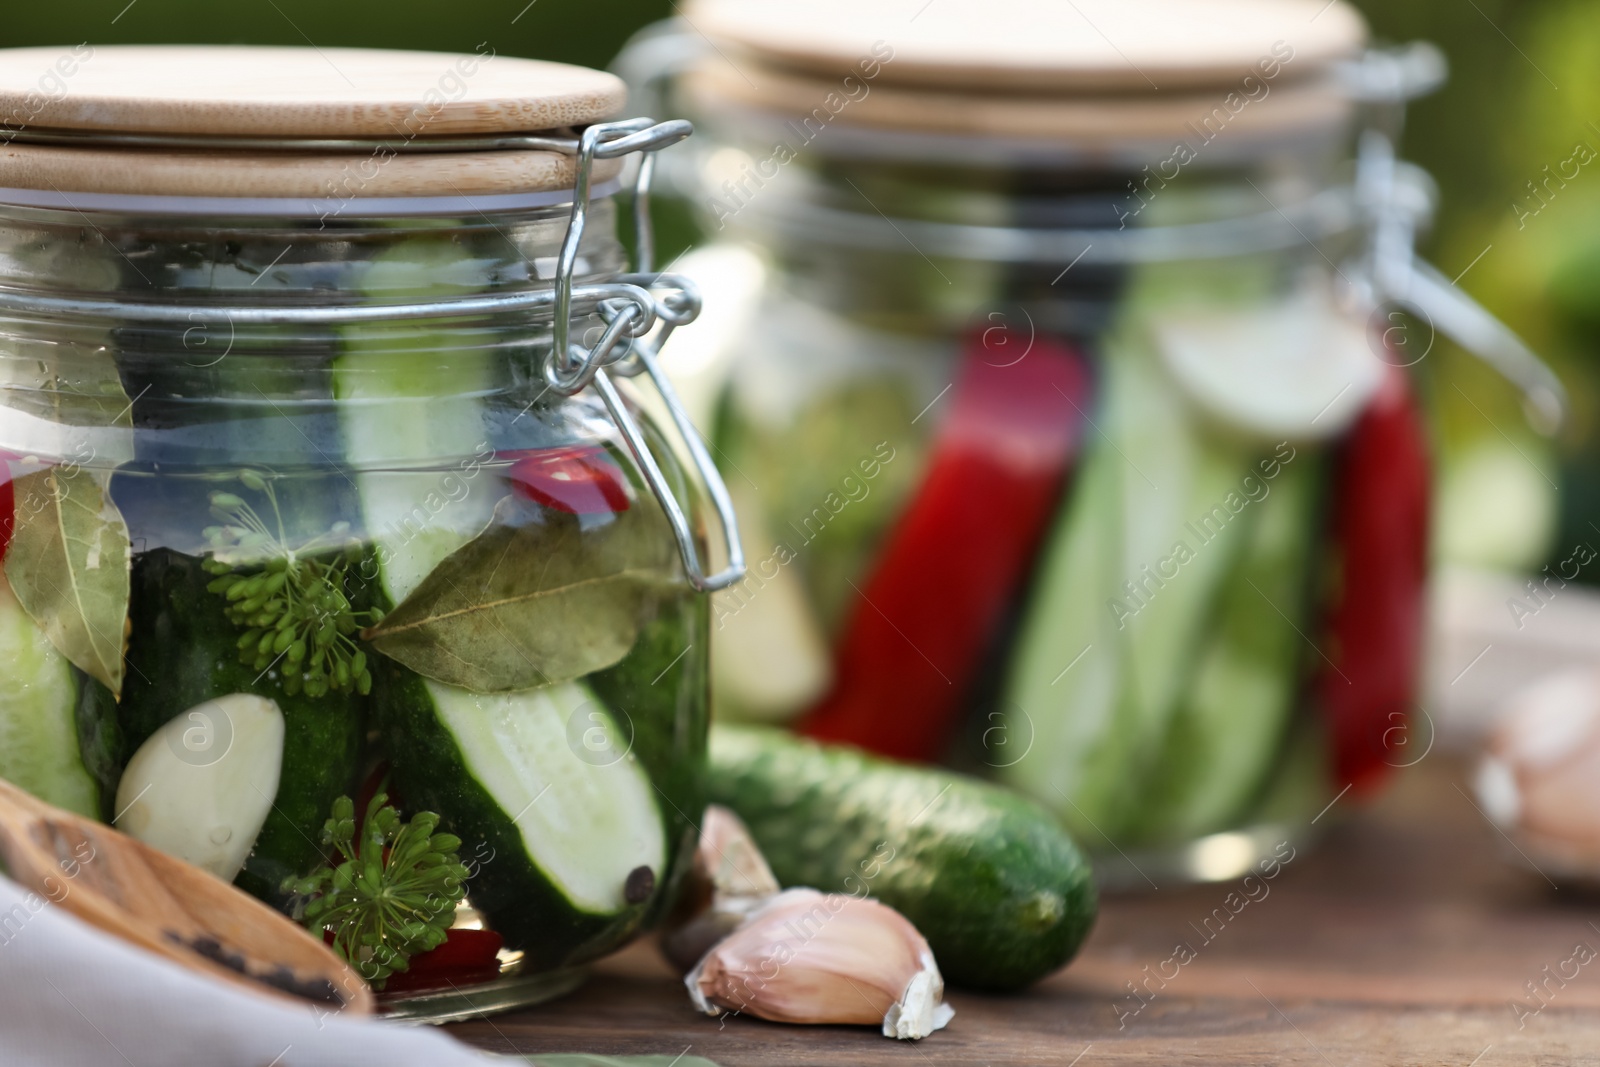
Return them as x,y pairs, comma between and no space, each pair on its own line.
1375,622
467,956
579,480
960,553
8,508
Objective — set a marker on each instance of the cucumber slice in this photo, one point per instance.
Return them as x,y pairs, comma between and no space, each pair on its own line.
589,825
1127,583
403,408
1230,729
1060,698
410,400
1180,536
536,781
658,694
39,748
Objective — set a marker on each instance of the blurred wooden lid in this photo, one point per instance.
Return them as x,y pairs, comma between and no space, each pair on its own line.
1089,74
1093,125
296,92
290,93
1036,46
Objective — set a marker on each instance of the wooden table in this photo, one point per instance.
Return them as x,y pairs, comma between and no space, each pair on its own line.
1402,939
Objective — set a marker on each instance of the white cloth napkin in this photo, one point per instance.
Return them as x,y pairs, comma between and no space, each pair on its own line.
71,996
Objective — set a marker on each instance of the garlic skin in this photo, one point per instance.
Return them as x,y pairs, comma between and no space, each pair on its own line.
1540,775
731,858
810,957
730,879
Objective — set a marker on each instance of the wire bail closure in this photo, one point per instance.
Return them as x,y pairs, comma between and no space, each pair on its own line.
625,345
1396,199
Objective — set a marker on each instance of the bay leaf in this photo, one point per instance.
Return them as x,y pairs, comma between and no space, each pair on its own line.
65,400
533,602
68,565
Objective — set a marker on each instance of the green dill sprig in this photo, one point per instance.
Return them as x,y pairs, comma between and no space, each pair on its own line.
395,893
291,603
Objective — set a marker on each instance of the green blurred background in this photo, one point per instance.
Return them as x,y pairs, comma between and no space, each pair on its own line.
1524,92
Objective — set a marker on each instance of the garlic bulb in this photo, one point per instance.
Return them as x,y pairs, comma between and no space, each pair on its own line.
810,957
730,879
1540,774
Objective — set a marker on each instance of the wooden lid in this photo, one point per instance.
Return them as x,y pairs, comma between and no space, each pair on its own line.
285,175
1099,125
292,93
1038,46
296,92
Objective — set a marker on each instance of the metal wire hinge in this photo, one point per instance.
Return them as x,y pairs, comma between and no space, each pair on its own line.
626,347
1396,199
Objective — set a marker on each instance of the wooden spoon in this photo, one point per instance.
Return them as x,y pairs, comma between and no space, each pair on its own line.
168,907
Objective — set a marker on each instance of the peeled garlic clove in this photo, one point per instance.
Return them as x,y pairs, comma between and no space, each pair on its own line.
1540,775
810,957
729,879
201,787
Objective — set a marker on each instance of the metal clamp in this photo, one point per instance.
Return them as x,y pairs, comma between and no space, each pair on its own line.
1396,205
624,345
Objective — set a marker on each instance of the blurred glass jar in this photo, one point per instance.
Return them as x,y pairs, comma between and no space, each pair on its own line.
1070,432
285,416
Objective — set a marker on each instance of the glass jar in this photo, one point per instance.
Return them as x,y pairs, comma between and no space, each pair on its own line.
1114,485
316,545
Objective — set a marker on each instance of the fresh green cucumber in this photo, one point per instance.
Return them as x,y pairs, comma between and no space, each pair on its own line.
182,651
534,781
1000,891
40,749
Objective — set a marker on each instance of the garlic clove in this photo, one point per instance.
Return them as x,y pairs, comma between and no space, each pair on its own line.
810,957
920,1010
1539,778
732,859
1546,722
729,879
201,787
